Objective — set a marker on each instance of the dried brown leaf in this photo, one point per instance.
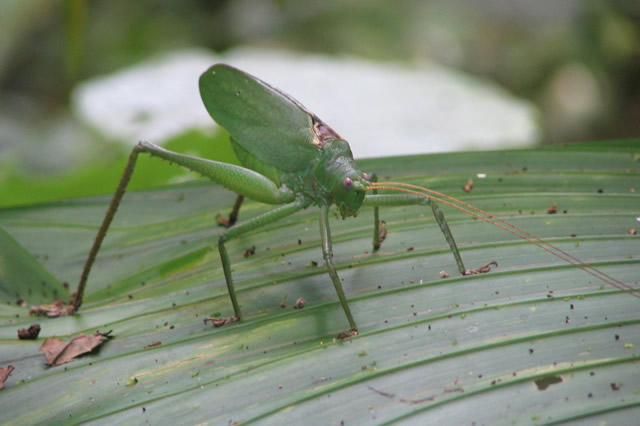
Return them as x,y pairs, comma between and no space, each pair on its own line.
4,374
59,352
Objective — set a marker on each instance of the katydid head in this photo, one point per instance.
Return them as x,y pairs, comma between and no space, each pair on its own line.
349,193
343,182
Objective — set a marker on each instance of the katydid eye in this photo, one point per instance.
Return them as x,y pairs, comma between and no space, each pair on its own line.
347,183
367,177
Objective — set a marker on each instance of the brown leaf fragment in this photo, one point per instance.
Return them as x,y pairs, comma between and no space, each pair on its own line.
223,220
381,393
469,186
299,303
219,322
59,352
382,233
150,345
553,209
30,333
481,270
53,310
4,374
250,251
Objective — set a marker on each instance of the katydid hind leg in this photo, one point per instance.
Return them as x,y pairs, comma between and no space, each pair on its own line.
327,252
104,227
236,178
238,230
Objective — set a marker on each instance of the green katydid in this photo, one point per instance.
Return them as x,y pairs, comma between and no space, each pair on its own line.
292,158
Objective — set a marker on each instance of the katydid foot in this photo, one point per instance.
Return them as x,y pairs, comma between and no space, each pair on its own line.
229,221
481,270
346,334
220,321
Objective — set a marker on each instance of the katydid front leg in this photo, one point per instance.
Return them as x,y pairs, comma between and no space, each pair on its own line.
379,232
236,178
402,200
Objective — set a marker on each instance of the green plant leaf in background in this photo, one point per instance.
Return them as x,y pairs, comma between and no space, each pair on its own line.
534,341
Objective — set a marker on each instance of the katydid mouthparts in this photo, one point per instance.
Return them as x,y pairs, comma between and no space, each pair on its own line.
292,159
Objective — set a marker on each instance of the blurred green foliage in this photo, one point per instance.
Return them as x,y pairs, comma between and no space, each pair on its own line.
579,61
101,176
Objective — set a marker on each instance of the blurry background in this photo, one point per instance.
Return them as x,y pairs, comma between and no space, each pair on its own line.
81,81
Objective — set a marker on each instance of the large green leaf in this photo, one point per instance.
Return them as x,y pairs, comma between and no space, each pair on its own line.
534,341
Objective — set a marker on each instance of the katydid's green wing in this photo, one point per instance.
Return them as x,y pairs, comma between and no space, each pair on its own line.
263,120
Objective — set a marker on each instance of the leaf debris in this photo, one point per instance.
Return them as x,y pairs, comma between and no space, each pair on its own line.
219,322
4,374
59,352
53,310
30,333
250,251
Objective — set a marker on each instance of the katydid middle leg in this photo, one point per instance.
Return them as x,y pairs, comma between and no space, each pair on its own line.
242,228
327,253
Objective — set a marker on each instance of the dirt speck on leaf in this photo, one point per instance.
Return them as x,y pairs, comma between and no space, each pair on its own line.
299,303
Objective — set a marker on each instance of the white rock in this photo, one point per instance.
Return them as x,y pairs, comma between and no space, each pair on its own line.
381,109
